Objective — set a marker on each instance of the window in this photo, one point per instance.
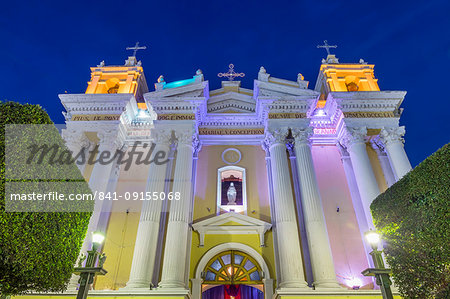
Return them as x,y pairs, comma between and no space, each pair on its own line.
112,85
232,267
351,82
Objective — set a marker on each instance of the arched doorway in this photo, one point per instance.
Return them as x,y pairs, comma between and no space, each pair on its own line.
232,274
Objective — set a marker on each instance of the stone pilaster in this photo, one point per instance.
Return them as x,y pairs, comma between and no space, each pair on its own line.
393,141
319,245
175,250
354,141
148,229
290,258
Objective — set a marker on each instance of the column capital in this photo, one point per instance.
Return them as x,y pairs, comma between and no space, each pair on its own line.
196,145
187,137
111,139
74,138
392,135
161,136
353,136
302,136
275,136
378,146
343,151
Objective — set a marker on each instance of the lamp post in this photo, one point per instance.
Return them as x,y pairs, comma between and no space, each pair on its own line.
380,272
88,272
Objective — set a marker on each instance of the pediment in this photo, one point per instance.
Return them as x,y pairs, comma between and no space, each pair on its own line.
231,223
231,102
269,89
196,89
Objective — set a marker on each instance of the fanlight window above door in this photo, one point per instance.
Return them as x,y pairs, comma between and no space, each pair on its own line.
232,267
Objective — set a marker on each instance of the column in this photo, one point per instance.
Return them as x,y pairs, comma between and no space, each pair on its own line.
316,229
265,147
393,141
354,141
93,84
290,257
109,142
300,214
164,214
356,199
147,234
175,250
107,204
384,161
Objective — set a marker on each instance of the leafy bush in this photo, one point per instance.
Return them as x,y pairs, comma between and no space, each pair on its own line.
413,216
37,250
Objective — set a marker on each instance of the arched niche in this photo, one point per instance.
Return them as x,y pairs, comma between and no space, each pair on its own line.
231,178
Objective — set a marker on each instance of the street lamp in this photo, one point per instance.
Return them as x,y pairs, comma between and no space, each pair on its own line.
380,272
88,272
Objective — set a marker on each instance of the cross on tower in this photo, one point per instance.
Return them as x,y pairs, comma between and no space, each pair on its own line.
231,74
136,48
326,46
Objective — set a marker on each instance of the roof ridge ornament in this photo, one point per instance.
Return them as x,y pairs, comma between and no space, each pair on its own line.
136,48
132,61
326,46
231,74
331,58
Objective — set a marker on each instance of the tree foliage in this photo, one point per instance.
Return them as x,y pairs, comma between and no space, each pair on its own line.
413,216
37,250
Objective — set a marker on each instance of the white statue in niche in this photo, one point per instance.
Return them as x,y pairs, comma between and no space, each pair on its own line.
231,194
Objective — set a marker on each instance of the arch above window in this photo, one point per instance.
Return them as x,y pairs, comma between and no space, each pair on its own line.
231,189
232,267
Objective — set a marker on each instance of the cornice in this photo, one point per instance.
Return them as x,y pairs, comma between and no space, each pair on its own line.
365,101
270,89
194,90
95,103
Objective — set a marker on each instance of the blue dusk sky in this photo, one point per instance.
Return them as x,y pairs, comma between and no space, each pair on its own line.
47,48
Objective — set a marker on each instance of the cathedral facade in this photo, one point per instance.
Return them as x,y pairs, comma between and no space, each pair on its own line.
236,192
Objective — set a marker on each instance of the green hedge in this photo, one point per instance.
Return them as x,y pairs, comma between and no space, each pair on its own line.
413,216
37,250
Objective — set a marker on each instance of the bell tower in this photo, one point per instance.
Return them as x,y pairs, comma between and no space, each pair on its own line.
128,78
335,76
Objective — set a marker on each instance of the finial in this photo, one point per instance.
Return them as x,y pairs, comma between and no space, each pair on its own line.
161,79
139,63
102,64
231,74
262,70
136,48
198,72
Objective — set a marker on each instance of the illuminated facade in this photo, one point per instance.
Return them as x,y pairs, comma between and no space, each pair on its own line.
274,183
